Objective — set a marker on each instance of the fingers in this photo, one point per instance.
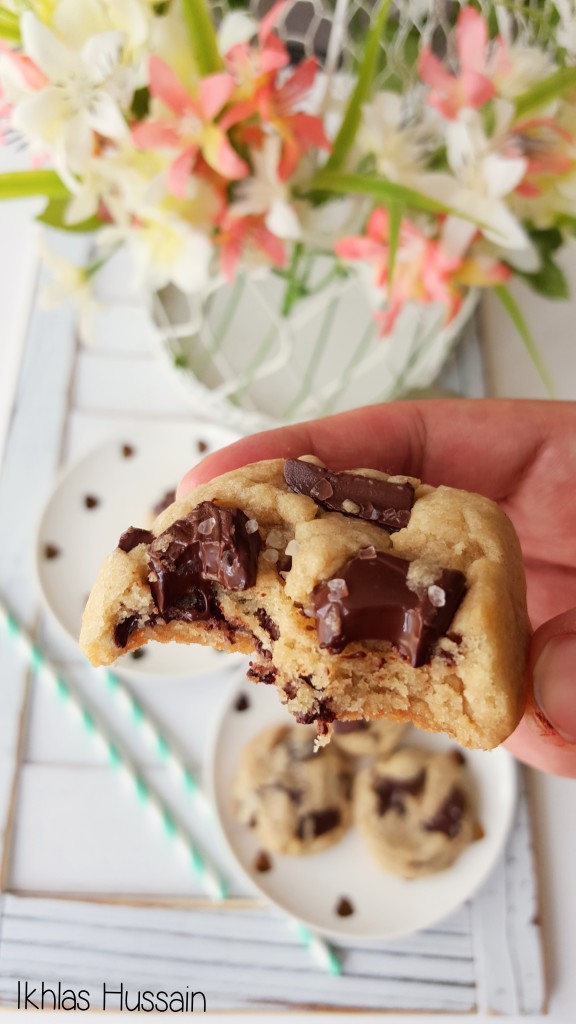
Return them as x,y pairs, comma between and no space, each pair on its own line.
546,736
476,445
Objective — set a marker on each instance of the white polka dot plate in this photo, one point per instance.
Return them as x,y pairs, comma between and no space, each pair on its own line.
344,880
115,486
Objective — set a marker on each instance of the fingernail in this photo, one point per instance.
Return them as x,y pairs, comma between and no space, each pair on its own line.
555,685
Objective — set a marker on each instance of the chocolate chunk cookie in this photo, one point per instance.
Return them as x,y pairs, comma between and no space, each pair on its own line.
360,595
361,738
415,810
298,801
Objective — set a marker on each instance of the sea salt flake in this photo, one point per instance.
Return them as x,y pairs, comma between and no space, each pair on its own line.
436,596
292,548
270,555
206,526
275,539
350,506
251,526
310,613
337,589
367,552
322,490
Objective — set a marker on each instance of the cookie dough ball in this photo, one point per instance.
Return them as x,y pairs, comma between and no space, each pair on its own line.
361,738
298,801
415,810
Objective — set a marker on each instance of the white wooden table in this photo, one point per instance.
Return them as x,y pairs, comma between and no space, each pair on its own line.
555,799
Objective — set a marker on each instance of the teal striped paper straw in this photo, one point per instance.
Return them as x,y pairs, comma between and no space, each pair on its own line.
120,758
146,793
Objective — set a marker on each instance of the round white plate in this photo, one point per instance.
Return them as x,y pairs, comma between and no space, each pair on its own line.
309,888
115,486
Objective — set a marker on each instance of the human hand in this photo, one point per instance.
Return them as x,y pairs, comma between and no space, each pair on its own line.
521,454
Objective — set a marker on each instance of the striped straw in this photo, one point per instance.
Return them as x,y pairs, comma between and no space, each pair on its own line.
173,757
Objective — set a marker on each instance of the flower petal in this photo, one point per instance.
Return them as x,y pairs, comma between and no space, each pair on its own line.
105,118
502,175
167,87
236,27
156,135
41,115
270,20
359,249
282,221
102,54
215,91
179,173
471,40
45,49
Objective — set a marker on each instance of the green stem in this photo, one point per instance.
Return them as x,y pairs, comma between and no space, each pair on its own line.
9,26
545,91
23,184
202,36
378,188
517,318
293,288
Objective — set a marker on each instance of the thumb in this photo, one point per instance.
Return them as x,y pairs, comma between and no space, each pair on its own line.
546,737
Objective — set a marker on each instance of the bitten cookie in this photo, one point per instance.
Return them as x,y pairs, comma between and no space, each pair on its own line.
360,738
360,595
297,801
415,811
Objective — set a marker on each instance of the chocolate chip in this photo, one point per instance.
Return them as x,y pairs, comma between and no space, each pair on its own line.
291,690
268,624
262,862
242,703
211,545
344,907
321,712
343,728
391,792
165,501
138,654
317,823
458,756
448,818
369,599
202,446
134,536
362,497
51,551
91,501
127,451
124,629
261,673
479,832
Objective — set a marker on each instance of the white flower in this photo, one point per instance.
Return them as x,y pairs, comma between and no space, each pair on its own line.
264,193
397,141
122,180
69,282
85,94
566,30
525,66
165,250
236,27
75,21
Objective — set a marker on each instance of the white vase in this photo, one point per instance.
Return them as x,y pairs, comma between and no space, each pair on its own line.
240,360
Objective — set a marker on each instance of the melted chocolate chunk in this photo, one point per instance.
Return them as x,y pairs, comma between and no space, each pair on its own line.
124,629
134,536
268,624
316,823
362,497
448,817
391,792
371,600
262,862
343,728
210,545
242,704
344,907
167,499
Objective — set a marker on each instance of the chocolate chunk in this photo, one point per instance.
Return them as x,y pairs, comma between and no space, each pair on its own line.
448,817
51,551
362,497
316,823
268,624
211,545
262,862
371,600
344,907
91,501
165,501
321,712
124,629
343,728
391,792
242,703
134,536
261,673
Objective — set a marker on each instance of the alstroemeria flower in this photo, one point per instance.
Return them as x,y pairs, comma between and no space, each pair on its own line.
83,94
243,239
68,281
398,143
298,130
424,272
251,63
195,129
548,149
473,87
265,194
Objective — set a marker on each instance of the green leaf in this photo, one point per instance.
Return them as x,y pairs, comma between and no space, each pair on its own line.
22,184
141,103
54,216
9,26
549,280
202,36
545,91
395,214
366,71
517,318
378,188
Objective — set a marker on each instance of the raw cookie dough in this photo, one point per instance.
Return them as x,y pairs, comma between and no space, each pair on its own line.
298,801
415,811
360,595
361,738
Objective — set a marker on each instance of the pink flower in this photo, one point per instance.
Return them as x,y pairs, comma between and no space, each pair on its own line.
238,233
548,149
195,131
473,87
248,63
